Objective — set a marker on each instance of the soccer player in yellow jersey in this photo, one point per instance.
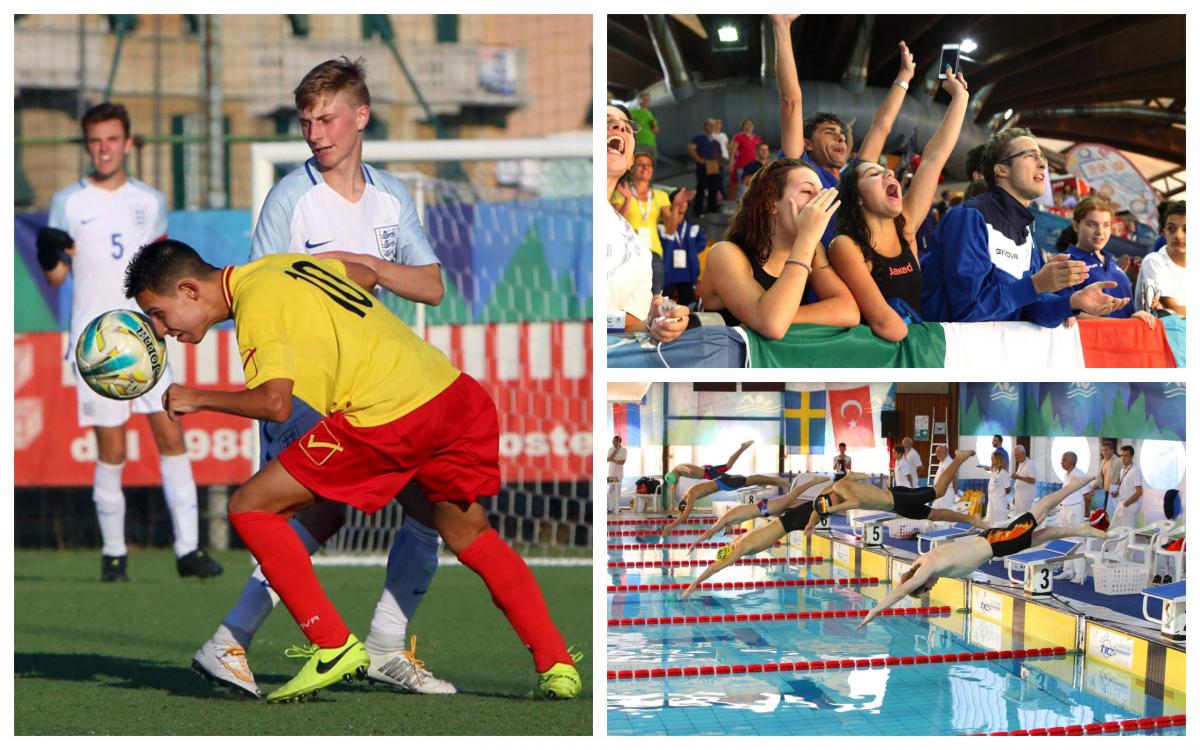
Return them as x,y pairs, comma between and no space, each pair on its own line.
395,411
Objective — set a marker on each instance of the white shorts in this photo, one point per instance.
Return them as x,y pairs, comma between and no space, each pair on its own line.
97,411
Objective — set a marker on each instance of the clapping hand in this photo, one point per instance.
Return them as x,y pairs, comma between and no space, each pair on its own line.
1092,299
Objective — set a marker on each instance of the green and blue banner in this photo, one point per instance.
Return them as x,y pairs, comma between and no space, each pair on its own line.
1152,411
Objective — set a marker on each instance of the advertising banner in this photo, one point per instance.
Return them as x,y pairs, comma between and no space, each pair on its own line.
538,374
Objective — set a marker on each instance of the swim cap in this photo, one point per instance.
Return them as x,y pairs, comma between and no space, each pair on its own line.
670,477
821,506
724,552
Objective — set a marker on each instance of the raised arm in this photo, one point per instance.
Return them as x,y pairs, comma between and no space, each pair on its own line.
885,116
791,109
918,579
919,198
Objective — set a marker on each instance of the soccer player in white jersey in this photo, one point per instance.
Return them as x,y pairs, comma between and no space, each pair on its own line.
96,224
335,205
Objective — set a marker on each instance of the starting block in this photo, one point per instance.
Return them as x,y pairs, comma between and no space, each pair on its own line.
872,528
1173,620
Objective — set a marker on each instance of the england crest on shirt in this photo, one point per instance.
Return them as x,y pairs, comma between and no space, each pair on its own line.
386,239
139,216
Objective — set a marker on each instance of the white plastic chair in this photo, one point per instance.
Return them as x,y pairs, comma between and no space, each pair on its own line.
1146,542
1176,558
1109,550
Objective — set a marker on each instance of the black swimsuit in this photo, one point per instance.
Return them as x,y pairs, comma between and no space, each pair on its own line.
796,518
913,502
1013,538
764,279
899,276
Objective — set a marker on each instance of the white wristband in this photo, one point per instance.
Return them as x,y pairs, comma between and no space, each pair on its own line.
901,84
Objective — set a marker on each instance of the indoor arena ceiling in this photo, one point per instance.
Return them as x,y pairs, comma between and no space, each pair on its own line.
1114,79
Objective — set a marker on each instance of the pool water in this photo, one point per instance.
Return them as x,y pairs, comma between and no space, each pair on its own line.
921,699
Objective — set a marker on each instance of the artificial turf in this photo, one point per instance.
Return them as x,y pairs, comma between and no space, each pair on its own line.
114,658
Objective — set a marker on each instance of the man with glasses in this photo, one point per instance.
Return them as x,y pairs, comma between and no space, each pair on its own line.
984,264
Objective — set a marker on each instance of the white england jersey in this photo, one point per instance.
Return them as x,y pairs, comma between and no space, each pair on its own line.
108,227
302,214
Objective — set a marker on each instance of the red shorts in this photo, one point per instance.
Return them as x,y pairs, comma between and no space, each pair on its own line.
450,446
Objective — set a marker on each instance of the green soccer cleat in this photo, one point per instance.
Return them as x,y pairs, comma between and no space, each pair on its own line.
325,666
562,682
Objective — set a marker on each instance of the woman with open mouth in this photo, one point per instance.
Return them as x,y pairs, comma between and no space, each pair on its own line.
772,255
877,225
632,304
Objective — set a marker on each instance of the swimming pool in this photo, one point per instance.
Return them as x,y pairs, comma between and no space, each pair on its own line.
932,671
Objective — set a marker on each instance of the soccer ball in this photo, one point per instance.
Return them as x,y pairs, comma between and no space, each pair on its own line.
119,356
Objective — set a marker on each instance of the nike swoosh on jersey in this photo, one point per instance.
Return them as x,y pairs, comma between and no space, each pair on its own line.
325,666
311,245
88,221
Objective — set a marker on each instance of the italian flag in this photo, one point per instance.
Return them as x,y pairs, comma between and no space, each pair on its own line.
1089,343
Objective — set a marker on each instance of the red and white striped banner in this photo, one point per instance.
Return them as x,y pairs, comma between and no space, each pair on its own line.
538,374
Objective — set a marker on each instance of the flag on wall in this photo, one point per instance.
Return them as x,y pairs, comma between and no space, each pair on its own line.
853,422
804,421
627,422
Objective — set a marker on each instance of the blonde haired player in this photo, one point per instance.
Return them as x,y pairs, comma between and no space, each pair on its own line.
336,206
95,226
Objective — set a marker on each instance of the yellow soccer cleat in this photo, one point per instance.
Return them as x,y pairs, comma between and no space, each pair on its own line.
562,682
325,666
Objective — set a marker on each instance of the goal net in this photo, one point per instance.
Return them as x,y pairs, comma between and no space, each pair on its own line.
511,223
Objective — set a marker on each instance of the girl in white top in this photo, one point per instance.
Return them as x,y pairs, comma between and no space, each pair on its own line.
998,483
632,304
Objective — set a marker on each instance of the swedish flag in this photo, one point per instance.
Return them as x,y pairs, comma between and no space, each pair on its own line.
804,421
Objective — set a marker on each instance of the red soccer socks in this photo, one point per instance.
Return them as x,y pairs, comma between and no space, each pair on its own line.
286,565
516,592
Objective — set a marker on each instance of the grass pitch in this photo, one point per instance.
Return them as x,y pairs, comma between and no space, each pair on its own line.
94,658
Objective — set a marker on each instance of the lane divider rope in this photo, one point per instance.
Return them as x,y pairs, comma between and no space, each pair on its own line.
729,585
833,664
676,545
1108,727
658,530
658,520
624,622
698,563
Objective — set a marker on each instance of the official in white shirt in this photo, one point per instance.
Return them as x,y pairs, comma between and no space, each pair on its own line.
1071,513
914,458
1024,476
904,475
616,460
1129,490
999,481
950,499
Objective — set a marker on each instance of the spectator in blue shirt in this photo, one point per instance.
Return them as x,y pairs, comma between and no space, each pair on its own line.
706,152
1093,227
681,251
984,264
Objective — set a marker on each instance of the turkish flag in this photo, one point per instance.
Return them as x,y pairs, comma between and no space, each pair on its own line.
853,423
